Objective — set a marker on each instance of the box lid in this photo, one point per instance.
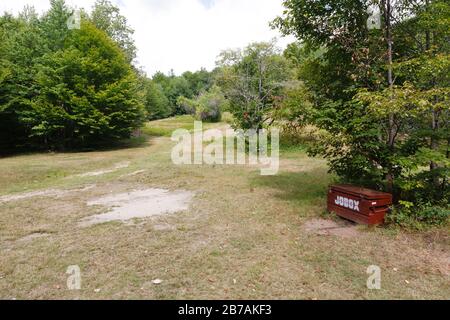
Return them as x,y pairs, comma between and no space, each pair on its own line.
361,192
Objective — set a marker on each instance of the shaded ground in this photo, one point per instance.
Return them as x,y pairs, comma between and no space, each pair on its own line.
242,235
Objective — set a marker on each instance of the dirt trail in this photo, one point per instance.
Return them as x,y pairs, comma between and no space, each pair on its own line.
117,167
54,193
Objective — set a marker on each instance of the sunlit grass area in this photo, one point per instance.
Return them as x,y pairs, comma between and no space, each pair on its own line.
165,127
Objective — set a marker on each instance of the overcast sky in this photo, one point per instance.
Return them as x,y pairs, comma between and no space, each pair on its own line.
185,34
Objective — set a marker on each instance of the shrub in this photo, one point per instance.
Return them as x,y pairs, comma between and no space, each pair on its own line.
407,215
434,215
188,106
208,106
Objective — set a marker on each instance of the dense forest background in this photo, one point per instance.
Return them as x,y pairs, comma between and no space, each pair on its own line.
64,88
366,86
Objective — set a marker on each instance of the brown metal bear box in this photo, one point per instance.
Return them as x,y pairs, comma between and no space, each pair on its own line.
358,204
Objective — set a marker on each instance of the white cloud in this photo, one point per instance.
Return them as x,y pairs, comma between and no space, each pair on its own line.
40,5
187,34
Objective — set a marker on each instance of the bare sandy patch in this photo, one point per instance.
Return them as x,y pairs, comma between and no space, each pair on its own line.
139,204
331,228
118,166
135,173
163,227
33,236
56,193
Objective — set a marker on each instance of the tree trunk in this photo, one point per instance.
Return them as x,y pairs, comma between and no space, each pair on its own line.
261,95
387,9
434,143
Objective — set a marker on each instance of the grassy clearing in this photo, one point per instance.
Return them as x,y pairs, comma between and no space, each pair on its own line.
165,127
241,238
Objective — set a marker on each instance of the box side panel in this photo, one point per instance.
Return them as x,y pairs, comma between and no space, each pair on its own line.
348,206
349,202
348,214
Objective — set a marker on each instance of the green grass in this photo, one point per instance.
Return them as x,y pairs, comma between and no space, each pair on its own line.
165,127
243,236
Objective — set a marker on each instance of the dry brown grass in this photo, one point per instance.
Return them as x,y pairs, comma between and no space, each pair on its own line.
242,238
